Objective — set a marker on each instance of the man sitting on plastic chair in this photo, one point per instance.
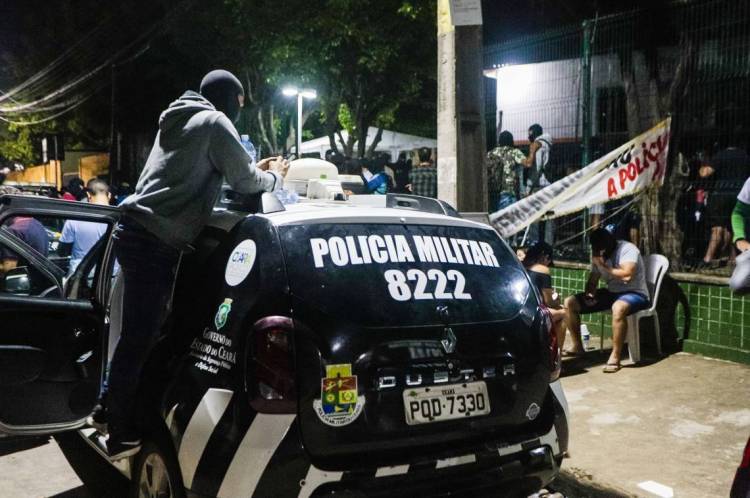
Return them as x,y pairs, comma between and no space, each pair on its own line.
620,265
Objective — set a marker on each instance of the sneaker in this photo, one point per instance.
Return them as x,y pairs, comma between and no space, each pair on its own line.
98,419
119,449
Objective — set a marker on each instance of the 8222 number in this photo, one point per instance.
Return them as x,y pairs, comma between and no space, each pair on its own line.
400,284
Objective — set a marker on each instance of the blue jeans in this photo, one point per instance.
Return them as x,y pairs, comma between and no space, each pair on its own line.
604,299
504,200
148,269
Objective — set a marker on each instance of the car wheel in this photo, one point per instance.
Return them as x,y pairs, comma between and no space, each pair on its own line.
99,477
156,473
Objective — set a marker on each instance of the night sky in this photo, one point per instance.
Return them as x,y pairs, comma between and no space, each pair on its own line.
509,19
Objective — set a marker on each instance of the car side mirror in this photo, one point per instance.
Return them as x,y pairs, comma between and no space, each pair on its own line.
16,281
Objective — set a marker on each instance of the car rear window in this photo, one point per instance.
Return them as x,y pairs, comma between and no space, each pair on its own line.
399,275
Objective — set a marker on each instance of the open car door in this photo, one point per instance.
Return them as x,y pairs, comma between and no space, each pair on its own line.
53,311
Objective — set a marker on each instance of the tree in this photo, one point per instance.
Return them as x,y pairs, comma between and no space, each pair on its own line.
74,39
664,97
375,55
364,57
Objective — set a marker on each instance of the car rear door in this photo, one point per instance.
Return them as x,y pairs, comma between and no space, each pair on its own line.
53,315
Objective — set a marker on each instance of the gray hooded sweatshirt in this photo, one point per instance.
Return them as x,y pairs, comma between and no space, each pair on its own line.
196,147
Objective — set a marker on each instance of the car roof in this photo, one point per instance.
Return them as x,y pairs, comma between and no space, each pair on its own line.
327,212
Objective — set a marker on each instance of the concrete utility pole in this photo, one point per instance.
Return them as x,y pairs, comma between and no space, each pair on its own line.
462,178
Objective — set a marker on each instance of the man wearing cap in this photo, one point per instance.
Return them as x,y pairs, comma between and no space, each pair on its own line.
196,148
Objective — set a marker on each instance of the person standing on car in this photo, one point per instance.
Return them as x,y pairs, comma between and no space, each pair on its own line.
740,281
619,263
423,178
196,148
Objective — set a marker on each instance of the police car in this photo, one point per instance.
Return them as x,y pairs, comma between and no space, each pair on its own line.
369,346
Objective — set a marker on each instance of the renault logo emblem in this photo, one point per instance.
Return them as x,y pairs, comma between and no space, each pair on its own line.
449,340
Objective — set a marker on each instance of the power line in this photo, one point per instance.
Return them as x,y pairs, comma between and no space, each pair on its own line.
49,118
44,77
57,62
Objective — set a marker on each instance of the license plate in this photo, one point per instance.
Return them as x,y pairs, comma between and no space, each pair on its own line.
424,405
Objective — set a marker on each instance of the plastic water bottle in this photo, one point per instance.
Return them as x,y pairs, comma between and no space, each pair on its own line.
286,196
586,336
249,147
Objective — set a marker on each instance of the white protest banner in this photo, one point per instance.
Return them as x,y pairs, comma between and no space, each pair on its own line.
625,171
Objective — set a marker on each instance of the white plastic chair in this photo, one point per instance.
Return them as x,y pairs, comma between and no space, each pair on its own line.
656,268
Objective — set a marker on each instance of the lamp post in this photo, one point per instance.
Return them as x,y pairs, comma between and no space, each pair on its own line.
291,91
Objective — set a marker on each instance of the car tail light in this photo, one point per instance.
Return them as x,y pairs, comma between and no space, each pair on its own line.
269,375
554,348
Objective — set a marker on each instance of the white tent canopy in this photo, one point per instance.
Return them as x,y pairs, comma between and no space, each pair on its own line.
392,142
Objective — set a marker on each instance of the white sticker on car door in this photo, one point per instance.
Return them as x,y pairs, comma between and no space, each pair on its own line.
240,263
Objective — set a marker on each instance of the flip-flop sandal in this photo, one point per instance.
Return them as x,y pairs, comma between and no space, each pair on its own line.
572,354
611,368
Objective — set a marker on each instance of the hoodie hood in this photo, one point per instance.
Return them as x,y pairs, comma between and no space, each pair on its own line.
222,89
545,137
182,109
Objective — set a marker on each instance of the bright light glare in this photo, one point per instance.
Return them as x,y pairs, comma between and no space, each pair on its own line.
309,94
290,91
520,290
515,82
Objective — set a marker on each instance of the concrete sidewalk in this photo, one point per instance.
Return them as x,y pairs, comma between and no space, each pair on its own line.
681,422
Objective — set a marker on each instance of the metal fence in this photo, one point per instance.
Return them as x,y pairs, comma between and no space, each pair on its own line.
595,85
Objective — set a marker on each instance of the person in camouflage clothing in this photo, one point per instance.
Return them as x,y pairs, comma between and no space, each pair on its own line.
503,172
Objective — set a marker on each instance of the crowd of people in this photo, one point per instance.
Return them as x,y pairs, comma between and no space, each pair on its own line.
715,203
616,262
173,199
512,175
620,265
412,173
705,208
78,190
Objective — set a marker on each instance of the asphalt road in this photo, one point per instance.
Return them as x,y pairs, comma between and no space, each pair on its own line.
36,468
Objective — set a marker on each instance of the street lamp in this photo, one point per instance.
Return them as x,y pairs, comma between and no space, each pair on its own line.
291,91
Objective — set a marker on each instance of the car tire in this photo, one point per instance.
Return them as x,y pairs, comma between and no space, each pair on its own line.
156,473
97,475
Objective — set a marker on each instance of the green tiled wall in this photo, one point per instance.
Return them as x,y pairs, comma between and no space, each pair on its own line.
719,322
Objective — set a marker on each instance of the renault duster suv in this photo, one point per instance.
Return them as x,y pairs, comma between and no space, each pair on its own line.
375,346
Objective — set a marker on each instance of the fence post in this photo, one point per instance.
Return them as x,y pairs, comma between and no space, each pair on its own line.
586,90
586,112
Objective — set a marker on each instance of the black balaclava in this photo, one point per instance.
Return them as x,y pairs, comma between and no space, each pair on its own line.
221,88
535,131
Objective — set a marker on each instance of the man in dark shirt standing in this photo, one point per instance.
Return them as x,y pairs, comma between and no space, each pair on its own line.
28,230
423,178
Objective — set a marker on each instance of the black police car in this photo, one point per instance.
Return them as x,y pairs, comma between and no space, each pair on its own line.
369,347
